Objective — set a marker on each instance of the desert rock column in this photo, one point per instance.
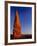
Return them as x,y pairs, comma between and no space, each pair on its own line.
17,27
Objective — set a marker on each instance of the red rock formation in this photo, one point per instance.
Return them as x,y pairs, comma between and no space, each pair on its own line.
17,27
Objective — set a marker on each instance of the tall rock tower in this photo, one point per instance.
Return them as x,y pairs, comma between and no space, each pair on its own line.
17,27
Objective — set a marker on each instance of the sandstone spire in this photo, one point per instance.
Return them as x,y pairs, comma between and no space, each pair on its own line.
17,26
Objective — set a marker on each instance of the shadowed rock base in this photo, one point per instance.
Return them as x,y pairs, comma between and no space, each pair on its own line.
28,36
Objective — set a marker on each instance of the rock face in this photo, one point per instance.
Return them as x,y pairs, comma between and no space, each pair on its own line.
17,27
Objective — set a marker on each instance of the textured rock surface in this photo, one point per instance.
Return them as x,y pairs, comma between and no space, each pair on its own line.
17,26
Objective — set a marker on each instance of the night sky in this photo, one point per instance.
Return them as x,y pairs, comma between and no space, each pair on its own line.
25,15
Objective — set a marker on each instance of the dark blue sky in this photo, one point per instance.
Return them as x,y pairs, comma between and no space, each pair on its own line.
25,14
